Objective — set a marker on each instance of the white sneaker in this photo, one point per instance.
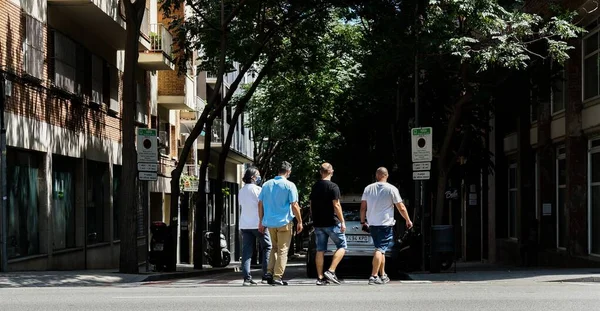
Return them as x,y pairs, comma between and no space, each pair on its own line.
385,278
375,280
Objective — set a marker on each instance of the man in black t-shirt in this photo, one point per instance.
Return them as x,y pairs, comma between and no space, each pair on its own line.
329,223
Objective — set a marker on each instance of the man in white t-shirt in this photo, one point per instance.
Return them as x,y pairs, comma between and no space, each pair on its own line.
378,201
249,221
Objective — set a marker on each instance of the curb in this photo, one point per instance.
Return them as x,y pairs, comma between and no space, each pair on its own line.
188,274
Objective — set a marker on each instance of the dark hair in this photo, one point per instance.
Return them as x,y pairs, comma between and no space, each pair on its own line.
250,172
285,167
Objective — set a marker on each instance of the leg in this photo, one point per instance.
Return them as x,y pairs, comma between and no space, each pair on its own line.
339,239
265,245
248,242
321,243
377,260
319,259
382,266
274,250
284,237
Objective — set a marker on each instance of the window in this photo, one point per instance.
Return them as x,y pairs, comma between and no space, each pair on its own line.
141,104
559,95
537,185
97,175
97,80
114,77
594,197
63,203
65,63
33,55
591,66
561,191
116,200
512,200
534,110
23,203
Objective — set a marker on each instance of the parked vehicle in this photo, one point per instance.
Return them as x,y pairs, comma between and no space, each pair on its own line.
360,249
225,254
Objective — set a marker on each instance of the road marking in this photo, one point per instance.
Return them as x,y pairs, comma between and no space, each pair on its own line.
473,282
204,296
415,282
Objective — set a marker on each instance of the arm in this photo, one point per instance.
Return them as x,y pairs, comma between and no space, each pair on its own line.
298,214
363,212
337,207
402,209
261,213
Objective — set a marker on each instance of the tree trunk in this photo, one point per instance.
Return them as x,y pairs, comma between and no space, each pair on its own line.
128,259
201,202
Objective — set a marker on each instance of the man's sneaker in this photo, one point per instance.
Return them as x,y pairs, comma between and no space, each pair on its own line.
375,280
322,282
279,283
249,282
267,278
331,277
385,278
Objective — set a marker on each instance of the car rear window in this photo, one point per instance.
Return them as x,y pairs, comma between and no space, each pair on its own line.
351,211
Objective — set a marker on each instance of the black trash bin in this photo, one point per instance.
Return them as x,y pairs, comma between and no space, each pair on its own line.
442,248
160,246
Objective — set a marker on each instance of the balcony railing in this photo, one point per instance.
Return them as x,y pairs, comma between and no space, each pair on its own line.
161,39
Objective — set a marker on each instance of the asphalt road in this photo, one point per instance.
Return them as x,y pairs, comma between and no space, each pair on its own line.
225,292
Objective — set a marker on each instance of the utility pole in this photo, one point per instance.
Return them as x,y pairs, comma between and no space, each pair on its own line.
3,207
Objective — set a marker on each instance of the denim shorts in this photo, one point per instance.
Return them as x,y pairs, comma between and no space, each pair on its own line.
383,237
333,232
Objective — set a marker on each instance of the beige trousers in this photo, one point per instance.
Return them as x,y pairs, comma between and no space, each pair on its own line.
280,240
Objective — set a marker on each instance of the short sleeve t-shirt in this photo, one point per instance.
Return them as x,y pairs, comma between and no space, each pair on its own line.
381,198
248,197
277,196
321,199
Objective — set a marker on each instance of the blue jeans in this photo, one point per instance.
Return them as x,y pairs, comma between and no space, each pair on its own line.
334,232
249,237
383,237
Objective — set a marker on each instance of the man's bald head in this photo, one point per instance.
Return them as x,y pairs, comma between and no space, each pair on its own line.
382,174
326,169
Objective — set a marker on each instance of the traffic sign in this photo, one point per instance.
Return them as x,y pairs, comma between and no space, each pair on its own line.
147,146
421,144
148,176
424,175
421,166
148,167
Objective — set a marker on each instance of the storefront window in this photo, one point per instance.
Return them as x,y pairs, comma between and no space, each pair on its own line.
116,200
512,200
561,190
23,203
96,181
594,229
63,203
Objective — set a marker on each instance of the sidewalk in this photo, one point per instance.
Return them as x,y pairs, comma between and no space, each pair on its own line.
480,272
103,277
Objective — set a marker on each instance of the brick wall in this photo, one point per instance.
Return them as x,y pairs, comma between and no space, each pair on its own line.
38,100
169,82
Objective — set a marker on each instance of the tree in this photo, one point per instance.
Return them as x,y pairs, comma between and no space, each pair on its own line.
293,114
128,260
225,32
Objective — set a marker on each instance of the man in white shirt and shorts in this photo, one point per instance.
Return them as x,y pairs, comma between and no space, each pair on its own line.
378,201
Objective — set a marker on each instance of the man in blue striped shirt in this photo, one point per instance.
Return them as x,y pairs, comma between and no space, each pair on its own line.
277,206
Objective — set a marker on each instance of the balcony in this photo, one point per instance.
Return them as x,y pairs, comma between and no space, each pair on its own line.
98,18
158,57
211,78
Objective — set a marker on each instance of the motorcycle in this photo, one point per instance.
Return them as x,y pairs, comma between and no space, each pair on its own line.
208,254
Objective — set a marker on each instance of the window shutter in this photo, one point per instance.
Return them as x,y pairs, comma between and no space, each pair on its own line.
32,47
114,89
65,61
97,79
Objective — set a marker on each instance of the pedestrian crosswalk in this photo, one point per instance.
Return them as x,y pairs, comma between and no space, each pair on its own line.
199,282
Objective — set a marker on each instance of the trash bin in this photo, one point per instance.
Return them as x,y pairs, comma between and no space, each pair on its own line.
159,245
442,248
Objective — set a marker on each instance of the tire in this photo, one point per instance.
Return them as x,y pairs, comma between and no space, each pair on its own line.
226,259
311,269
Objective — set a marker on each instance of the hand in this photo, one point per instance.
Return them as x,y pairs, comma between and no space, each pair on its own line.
365,227
261,228
299,227
409,224
343,227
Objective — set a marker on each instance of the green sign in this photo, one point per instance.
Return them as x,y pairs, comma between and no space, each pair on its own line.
147,132
421,131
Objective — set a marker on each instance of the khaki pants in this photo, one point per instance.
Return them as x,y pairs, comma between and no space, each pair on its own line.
280,239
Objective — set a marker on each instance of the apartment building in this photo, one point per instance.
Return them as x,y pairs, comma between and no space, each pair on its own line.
544,198
62,61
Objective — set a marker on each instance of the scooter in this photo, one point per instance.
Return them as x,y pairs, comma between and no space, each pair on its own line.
225,254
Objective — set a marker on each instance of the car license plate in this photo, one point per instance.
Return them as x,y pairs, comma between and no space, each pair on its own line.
158,247
358,238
